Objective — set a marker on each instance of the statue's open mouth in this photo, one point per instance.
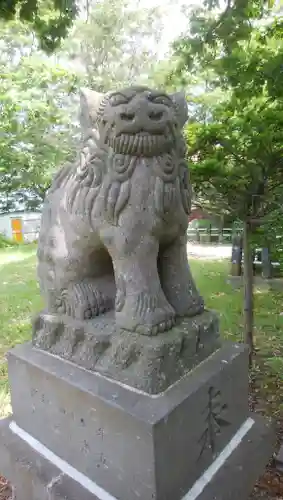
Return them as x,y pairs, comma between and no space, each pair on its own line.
142,143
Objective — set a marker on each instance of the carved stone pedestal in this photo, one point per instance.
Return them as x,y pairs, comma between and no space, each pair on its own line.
150,364
78,435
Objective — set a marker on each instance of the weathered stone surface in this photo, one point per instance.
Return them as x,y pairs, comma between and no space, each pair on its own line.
113,232
151,365
279,459
36,478
131,444
238,475
33,476
124,439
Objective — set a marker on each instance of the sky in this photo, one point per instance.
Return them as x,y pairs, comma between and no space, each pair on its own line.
174,21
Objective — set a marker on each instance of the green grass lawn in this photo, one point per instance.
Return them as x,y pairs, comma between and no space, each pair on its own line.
20,299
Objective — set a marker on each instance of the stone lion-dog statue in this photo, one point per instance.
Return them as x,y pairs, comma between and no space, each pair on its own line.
113,231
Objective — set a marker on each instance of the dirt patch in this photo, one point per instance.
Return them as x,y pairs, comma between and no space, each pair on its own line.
265,399
5,489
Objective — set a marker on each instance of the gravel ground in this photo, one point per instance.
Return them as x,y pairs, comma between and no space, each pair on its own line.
209,252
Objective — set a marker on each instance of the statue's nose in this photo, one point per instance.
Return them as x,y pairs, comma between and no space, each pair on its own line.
155,116
127,116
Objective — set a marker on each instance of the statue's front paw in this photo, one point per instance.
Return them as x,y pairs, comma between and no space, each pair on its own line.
196,306
154,329
146,314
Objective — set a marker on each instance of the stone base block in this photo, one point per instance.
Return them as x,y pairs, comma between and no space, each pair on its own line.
38,474
132,444
150,364
279,459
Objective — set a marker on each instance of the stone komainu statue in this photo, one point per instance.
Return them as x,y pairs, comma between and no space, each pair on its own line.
113,232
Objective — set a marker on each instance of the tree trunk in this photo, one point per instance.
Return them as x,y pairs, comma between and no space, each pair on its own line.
237,253
248,290
266,263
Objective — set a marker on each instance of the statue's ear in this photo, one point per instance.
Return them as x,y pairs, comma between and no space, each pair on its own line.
89,105
179,99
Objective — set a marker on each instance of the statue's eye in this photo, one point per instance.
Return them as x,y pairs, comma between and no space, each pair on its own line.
118,99
162,99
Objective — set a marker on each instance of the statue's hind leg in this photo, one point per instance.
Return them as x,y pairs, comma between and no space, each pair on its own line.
88,298
79,291
81,285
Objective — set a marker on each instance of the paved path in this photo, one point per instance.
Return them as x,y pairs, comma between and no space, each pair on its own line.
209,252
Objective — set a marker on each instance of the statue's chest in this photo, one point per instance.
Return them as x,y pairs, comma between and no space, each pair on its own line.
155,178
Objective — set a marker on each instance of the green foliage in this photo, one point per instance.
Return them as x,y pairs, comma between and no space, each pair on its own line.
235,160
116,45
38,100
276,364
50,19
235,143
201,223
214,29
6,242
35,119
272,232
